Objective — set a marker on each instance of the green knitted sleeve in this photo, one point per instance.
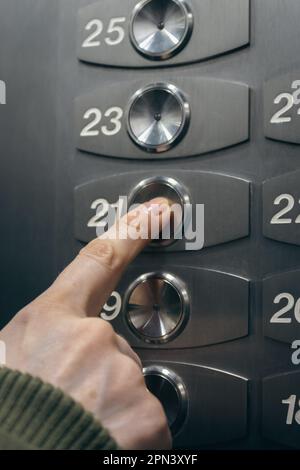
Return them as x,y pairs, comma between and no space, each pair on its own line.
35,415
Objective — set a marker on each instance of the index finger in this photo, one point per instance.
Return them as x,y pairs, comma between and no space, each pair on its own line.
86,284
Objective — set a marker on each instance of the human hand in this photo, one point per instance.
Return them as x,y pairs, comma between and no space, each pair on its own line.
60,338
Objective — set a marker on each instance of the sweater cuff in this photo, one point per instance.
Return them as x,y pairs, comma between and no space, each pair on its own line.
43,417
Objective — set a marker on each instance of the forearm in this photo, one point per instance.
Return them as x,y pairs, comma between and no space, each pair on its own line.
35,415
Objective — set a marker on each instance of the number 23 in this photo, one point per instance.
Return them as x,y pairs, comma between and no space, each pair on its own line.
90,130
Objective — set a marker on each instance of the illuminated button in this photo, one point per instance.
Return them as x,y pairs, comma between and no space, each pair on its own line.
170,390
158,117
167,188
157,307
161,28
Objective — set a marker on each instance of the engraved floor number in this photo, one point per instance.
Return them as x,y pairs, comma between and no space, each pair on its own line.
114,33
292,414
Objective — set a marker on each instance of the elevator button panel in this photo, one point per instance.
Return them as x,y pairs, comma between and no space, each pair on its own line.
170,390
220,206
281,208
282,108
179,308
150,33
162,119
281,306
215,398
281,409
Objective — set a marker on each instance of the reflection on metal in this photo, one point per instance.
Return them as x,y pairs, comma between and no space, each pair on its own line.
170,390
157,307
158,117
161,28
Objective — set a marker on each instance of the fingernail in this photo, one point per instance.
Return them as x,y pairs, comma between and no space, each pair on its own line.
158,205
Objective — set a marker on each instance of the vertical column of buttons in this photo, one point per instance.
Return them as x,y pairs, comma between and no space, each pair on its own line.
156,118
281,223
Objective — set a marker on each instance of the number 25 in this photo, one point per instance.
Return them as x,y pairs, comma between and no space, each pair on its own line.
115,33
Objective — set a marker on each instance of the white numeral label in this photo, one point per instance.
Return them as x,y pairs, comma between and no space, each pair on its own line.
102,206
279,218
292,305
279,117
94,115
115,114
112,310
296,354
96,26
289,100
292,415
115,33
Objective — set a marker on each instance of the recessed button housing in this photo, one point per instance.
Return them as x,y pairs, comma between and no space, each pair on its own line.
161,28
171,189
157,307
171,392
158,117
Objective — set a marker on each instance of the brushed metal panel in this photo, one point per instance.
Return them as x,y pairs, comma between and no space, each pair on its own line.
212,318
218,405
276,423
282,291
226,203
281,208
219,118
282,107
219,27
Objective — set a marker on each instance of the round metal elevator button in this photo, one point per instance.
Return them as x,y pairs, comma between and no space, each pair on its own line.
161,28
158,117
170,189
169,389
157,307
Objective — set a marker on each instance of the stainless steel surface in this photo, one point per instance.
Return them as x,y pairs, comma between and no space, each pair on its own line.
161,28
157,307
214,401
214,113
218,27
170,390
171,189
158,116
213,319
218,192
